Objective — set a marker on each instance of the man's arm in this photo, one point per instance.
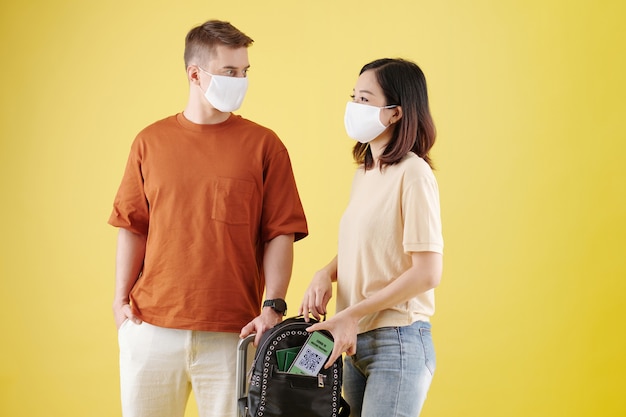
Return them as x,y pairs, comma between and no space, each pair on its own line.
277,266
131,250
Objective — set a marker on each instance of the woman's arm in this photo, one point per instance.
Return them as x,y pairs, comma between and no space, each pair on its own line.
423,275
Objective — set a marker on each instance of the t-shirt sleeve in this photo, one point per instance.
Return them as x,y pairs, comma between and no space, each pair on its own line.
422,218
130,207
282,209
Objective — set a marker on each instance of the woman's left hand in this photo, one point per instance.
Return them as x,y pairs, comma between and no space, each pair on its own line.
344,329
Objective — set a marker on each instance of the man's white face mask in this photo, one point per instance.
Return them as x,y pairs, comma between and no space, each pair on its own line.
226,93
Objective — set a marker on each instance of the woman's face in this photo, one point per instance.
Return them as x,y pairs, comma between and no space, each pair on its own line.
368,91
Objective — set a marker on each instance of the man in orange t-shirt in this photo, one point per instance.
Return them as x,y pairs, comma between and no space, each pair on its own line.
208,211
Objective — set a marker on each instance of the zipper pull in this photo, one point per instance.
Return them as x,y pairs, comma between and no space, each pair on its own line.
320,380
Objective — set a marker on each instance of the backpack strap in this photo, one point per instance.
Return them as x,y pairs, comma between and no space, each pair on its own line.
344,408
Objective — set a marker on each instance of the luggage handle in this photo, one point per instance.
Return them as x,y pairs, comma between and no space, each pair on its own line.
242,359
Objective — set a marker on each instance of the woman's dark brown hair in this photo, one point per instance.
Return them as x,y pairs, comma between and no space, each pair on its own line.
403,84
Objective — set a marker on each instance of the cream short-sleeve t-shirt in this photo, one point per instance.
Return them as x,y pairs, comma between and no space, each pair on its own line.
390,214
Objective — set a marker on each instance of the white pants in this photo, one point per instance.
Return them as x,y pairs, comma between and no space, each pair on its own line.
159,367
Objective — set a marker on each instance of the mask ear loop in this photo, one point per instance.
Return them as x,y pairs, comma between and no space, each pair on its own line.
390,106
197,80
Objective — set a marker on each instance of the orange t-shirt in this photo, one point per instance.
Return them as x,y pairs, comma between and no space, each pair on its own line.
208,197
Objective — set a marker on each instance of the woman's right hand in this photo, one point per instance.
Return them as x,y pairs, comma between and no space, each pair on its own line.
317,295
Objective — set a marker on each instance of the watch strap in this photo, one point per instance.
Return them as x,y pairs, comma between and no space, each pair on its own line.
278,304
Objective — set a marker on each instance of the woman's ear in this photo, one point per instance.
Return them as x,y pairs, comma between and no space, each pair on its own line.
397,114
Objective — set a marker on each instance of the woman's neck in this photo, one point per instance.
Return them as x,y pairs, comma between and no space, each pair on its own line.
377,147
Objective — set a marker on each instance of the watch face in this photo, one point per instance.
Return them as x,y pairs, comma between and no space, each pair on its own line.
280,305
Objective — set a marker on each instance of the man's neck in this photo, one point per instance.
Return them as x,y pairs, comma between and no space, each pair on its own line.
202,114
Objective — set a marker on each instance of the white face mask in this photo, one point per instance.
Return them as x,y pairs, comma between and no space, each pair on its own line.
363,122
226,93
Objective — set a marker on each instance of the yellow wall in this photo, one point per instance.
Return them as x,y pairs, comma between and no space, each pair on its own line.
529,100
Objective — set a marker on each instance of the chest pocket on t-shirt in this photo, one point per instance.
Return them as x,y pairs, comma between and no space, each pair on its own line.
232,199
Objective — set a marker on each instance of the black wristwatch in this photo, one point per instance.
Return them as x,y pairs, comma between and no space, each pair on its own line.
278,304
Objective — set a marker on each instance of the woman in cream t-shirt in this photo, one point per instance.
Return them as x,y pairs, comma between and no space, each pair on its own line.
389,257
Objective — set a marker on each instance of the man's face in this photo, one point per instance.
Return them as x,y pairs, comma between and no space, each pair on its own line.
230,62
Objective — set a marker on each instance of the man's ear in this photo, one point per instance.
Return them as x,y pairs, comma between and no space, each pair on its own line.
193,74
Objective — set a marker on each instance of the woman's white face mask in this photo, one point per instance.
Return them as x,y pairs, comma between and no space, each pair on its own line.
224,93
362,121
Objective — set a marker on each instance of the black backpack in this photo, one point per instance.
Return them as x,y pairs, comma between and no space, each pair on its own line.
274,393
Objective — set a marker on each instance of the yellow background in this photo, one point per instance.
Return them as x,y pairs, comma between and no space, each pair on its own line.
529,101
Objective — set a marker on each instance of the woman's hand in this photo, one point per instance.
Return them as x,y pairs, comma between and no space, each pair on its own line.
343,327
317,295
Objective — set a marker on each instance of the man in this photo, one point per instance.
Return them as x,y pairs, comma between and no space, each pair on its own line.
208,211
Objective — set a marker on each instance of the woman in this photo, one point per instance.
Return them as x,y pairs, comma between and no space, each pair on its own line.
389,257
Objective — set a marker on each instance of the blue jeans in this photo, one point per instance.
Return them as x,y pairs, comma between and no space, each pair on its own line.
391,371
